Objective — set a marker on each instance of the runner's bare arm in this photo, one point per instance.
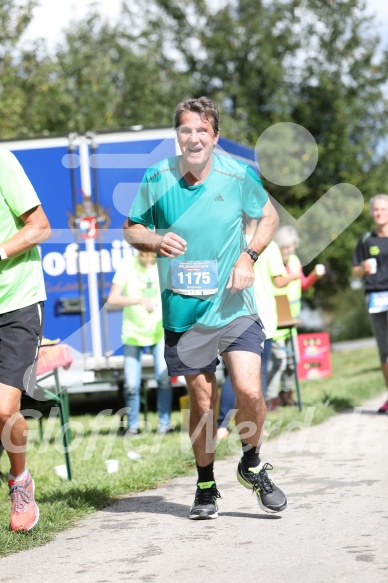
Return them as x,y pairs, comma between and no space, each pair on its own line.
242,275
36,230
364,268
265,230
168,245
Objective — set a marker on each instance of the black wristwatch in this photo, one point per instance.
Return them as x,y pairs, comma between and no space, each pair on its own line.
253,255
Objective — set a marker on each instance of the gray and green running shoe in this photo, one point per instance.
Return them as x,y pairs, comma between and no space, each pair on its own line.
269,496
205,502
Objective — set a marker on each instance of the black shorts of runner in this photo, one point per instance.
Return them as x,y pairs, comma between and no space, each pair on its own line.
379,323
196,350
20,337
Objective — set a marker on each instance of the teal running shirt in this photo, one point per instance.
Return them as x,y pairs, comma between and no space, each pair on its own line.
209,216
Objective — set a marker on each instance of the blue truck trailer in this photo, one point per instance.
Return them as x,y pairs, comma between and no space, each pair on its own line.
86,184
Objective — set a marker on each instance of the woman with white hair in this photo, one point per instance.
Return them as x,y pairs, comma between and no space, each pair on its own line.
281,364
370,262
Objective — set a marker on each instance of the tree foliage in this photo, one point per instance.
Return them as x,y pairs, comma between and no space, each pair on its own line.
309,62
14,19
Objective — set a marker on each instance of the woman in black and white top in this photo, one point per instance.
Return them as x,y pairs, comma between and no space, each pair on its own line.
370,262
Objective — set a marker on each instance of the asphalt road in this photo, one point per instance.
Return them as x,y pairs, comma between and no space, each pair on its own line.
335,528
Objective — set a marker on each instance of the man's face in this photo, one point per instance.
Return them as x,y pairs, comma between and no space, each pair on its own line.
196,139
380,212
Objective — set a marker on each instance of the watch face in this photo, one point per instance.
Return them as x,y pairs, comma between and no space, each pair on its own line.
253,254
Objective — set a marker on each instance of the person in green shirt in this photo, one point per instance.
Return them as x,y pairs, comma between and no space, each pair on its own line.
189,210
281,363
135,288
23,226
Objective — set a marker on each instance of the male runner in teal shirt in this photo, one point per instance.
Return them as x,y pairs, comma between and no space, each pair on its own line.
190,210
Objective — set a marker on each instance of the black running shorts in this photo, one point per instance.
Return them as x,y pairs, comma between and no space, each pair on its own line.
20,337
196,351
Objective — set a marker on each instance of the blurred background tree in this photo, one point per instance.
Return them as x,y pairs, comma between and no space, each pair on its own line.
312,62
14,19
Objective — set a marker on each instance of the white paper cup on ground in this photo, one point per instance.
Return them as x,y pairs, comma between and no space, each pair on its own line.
320,269
133,455
373,265
112,466
61,471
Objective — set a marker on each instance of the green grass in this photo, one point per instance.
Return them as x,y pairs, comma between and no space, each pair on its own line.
356,377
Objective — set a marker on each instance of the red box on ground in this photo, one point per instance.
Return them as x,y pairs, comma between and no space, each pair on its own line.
314,356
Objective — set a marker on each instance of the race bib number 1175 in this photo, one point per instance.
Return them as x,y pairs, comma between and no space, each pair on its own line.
194,278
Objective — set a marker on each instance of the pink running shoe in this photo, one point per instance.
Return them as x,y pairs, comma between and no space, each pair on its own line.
24,511
383,408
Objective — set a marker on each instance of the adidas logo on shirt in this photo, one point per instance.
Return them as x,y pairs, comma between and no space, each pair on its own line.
219,197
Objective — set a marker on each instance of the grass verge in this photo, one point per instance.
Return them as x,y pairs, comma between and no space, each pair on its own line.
356,377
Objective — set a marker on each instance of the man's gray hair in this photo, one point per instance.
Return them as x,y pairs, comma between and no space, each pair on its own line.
203,106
